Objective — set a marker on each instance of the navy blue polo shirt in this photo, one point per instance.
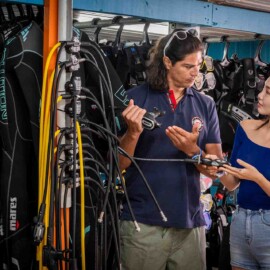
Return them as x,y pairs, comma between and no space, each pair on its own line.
176,185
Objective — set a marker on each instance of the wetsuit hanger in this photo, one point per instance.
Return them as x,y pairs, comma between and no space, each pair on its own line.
146,39
10,26
97,31
2,36
205,46
23,19
117,41
21,11
257,57
225,59
39,18
11,14
4,19
29,12
2,16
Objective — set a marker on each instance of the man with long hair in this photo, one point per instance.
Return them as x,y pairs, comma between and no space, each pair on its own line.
189,129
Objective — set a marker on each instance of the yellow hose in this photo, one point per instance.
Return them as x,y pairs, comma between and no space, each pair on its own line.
82,194
43,141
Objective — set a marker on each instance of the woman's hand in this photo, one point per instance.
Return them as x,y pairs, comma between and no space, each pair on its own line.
211,170
248,171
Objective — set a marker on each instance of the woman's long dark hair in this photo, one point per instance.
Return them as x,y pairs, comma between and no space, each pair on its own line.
266,121
176,51
265,118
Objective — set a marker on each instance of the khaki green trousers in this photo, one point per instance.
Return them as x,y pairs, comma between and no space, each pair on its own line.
158,248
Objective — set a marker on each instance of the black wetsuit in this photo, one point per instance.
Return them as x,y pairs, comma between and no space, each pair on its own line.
21,80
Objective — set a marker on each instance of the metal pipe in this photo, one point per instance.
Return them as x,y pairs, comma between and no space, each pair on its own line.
235,38
111,22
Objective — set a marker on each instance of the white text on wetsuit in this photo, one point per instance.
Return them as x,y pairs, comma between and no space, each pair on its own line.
13,214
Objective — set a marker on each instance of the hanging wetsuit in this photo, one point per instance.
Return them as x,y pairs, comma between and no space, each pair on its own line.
92,82
25,58
95,233
22,63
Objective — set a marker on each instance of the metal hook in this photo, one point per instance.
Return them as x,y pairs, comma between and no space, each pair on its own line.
225,60
205,46
96,33
257,58
146,39
116,20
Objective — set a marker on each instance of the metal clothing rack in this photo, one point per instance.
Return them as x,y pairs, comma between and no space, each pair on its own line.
118,20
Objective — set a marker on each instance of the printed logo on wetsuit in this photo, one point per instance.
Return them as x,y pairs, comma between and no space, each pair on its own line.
198,121
25,32
121,95
3,101
13,224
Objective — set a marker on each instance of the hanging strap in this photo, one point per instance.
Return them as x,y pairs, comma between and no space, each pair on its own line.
137,65
249,81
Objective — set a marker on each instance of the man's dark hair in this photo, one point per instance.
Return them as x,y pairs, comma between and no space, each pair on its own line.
176,51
